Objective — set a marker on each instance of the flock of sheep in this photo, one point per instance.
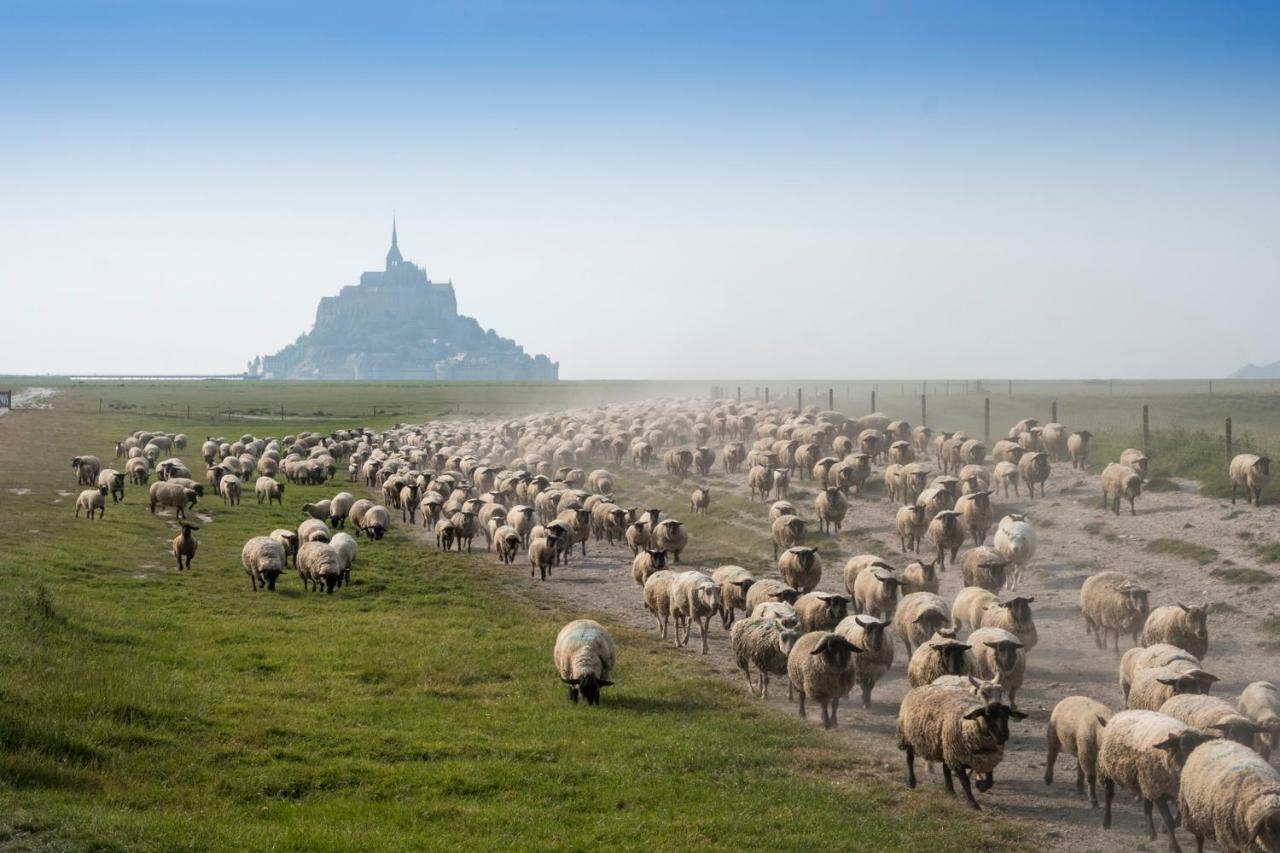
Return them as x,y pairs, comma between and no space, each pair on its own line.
525,486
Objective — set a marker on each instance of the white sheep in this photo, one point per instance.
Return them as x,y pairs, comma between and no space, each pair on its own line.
319,564
91,501
918,617
1251,473
264,560
1015,539
1120,482
735,582
1260,702
1232,795
1075,727
347,550
999,655
657,598
1186,627
764,643
695,597
585,656
1111,602
268,489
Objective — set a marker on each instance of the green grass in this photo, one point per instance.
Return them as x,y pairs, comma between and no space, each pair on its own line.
1184,549
141,709
1267,552
1243,577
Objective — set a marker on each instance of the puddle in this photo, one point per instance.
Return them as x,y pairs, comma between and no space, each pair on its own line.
20,491
61,493
207,519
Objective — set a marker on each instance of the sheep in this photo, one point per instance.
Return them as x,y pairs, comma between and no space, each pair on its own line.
936,499
952,726
700,500
787,531
1251,473
506,542
973,452
670,535
1230,794
1154,686
1160,654
919,616
831,507
184,545
1137,460
985,567
969,607
920,577
376,521
975,511
1211,713
703,459
1075,727
173,495
347,549
446,534
695,597
1007,450
92,500
893,483
87,469
114,481
1034,468
851,473
1260,702
1000,655
270,490
313,530
657,598
764,643
779,610
911,523
229,488
585,655
1078,448
760,479
937,657
263,559
1179,625
317,509
985,691
646,563
1006,475
818,668
947,534
780,508
138,470
876,656
1120,481
821,611
1144,751
1112,602
1015,539
1015,617
318,563
769,589
339,508
288,542
735,582
801,568
874,589
542,555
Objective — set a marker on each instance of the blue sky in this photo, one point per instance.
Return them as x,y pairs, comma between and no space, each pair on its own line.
654,190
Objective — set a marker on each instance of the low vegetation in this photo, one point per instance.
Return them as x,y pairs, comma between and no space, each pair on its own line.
1243,576
1182,548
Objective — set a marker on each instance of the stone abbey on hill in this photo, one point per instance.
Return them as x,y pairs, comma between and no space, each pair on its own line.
399,324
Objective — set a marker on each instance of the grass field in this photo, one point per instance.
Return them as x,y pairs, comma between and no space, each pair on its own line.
141,709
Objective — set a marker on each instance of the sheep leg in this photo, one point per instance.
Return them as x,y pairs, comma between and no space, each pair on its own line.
803,715
968,791
746,670
1169,824
764,684
866,695
703,625
1093,790
911,767
1109,794
1051,738
946,779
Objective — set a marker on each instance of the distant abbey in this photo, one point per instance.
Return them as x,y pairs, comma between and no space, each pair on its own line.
399,324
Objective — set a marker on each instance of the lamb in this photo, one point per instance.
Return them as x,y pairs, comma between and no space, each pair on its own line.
114,481
1150,657
787,531
1120,481
735,582
1154,686
1015,539
920,577
821,611
911,523
1053,436
893,489
670,535
1144,751
999,655
347,550
760,480
770,589
1013,616
764,643
1179,625
1137,460
506,542
919,616
288,542
947,534
446,534
700,500
229,488
657,598
92,500
1251,473
184,545
318,563
173,495
801,568
1211,713
695,597
646,563
1006,475
975,511
585,655
313,530
970,607
818,668
985,691
1078,448
269,490
954,727
876,656
317,509
985,567
1260,702
831,507
938,657
1230,794
263,559
339,508
874,590
1075,727
1111,602
1034,468
543,554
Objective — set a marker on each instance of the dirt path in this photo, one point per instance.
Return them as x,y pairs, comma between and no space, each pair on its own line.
1076,538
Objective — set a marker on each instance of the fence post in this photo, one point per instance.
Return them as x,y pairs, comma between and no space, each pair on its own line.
924,417
1053,409
739,393
986,420
799,399
831,399
99,405
873,400
1146,427
188,411
1228,438
1010,387
766,395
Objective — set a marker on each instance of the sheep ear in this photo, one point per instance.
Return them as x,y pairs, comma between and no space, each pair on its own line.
976,713
1168,681
1184,607
605,683
1170,744
975,683
573,681
1102,721
1017,715
821,647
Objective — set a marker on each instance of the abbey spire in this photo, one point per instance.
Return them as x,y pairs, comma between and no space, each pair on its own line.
393,254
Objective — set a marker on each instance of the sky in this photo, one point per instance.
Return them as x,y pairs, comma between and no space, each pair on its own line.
651,190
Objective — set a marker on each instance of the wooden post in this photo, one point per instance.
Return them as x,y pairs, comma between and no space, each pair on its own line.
1146,427
99,405
1053,409
188,411
1010,387
924,417
766,394
873,400
831,399
986,420
799,399
1229,438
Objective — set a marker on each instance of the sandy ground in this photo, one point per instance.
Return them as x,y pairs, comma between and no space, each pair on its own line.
1064,663
32,398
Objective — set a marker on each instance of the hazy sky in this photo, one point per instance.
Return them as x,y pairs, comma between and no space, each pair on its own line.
651,189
